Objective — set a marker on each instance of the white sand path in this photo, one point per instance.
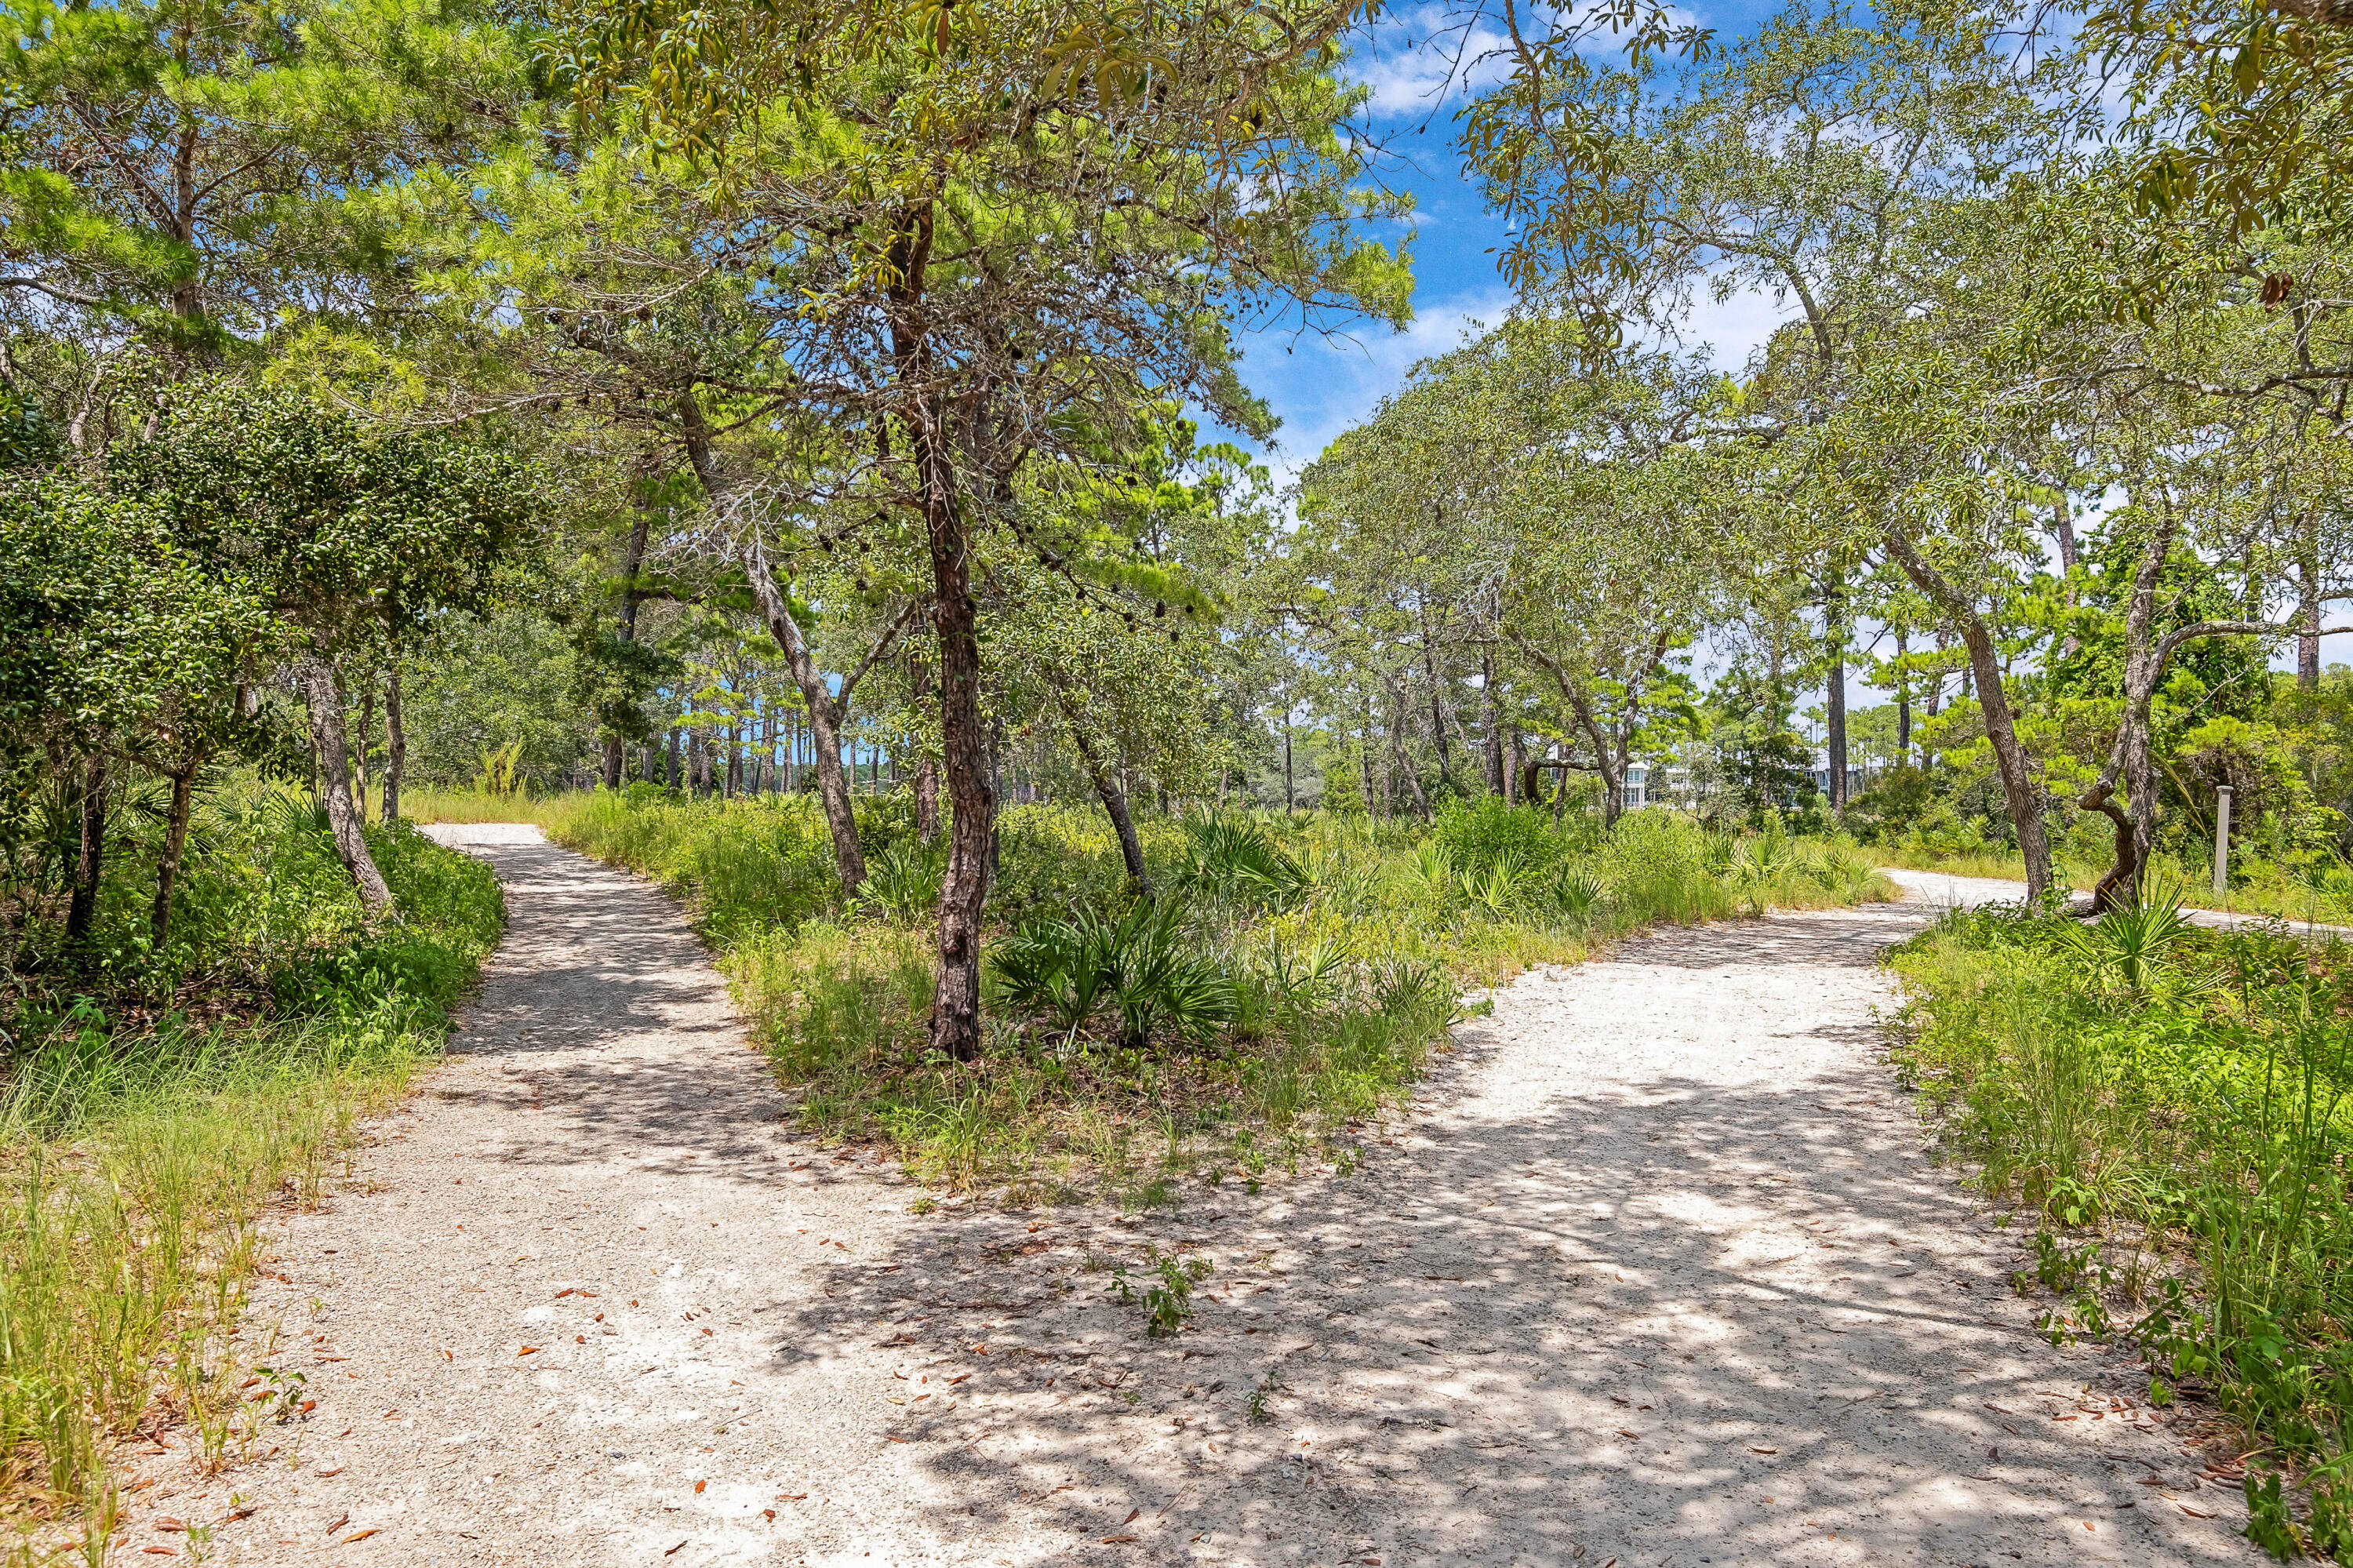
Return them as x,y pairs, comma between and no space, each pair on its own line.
1943,890
1658,1271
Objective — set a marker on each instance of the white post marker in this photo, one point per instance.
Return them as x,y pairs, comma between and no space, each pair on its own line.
2222,840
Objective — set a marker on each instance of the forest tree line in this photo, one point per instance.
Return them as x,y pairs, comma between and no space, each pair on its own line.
735,397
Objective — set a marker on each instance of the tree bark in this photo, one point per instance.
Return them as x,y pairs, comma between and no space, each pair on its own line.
1290,797
322,696
175,843
1437,701
632,562
1491,723
1114,800
1404,765
1608,760
396,743
670,778
1902,701
1834,693
89,858
360,757
963,890
2131,763
927,801
827,709
2018,787
2308,602
939,500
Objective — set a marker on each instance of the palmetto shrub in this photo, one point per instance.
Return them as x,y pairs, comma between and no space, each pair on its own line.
1142,969
1234,860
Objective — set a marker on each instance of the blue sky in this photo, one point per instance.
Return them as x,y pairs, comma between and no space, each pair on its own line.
1321,386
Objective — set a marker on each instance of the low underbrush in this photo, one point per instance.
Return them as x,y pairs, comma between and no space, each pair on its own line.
151,1110
1285,983
2173,1109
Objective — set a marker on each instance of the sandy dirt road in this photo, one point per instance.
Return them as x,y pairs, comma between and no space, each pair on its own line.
1658,1271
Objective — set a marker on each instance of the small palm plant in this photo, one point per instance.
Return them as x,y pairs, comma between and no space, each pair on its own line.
1143,967
501,773
2131,942
1494,891
903,885
1577,894
1234,860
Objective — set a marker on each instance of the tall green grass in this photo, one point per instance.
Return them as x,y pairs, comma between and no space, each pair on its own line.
138,1147
2174,1108
1325,957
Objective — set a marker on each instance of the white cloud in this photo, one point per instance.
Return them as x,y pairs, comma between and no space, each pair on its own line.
1423,59
1325,385
1419,61
1736,327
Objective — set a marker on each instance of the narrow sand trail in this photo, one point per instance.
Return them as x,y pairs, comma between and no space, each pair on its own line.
1658,1271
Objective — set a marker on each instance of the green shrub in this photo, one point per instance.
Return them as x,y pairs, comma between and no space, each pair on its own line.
1476,836
2182,1102
1142,967
1234,860
1291,980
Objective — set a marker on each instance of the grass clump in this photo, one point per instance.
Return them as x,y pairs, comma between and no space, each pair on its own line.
148,1116
2174,1108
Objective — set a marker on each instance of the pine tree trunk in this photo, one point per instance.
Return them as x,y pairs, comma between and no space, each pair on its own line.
632,563
175,843
395,744
89,858
927,801
1114,801
1405,766
322,696
360,754
826,710
1902,701
1437,707
1611,764
963,890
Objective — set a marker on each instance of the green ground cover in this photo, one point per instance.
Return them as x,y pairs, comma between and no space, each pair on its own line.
2169,1107
153,1105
